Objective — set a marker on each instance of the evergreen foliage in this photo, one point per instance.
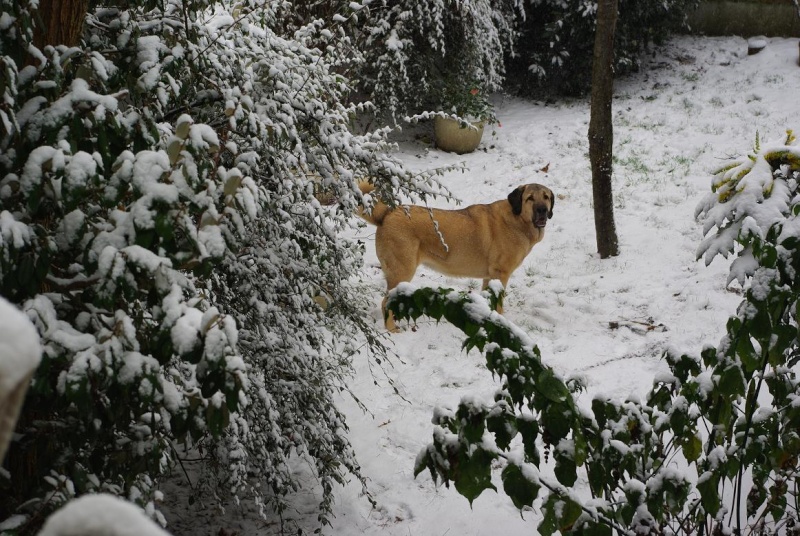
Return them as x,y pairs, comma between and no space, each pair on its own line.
418,51
554,50
160,226
415,53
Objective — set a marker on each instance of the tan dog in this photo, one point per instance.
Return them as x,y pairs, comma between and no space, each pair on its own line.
481,241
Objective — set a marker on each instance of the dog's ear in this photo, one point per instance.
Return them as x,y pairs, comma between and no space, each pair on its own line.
552,204
515,198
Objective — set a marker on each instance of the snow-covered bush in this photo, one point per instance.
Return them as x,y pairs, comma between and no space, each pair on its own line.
556,41
415,50
714,448
159,224
107,216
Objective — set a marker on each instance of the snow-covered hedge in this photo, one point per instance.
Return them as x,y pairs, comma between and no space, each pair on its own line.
160,226
556,41
418,52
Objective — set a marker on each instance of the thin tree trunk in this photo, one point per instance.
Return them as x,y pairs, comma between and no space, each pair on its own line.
61,22
601,132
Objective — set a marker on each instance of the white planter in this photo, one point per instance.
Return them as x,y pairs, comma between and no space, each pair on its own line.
450,136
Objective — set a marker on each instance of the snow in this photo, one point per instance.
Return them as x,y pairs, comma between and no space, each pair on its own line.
100,515
69,228
699,102
20,353
185,331
12,231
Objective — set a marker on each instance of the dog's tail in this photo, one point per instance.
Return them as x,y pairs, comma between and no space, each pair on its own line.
379,208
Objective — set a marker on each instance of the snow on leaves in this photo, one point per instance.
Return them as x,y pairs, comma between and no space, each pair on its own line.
417,48
105,236
161,228
750,196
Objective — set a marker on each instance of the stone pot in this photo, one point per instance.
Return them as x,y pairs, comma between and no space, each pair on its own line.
451,137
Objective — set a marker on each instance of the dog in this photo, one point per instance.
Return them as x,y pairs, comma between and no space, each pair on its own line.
482,241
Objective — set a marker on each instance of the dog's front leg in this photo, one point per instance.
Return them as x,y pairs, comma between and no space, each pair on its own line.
504,280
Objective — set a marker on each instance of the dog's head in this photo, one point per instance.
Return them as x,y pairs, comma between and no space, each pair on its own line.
533,202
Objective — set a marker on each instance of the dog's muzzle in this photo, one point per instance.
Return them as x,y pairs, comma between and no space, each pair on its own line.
540,217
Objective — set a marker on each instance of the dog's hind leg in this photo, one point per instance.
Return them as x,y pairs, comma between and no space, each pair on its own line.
397,268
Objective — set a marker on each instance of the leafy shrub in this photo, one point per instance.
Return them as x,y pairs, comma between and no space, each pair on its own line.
159,225
556,41
468,101
102,245
714,448
413,50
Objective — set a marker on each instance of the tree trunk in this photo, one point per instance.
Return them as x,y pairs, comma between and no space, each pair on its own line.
61,22
601,131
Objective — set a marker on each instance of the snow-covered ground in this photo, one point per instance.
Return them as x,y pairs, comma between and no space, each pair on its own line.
697,102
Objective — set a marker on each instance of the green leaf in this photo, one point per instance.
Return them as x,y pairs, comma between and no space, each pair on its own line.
685,366
761,324
502,425
747,353
692,447
470,328
435,309
756,498
523,491
778,345
708,486
473,423
556,421
599,410
777,503
145,237
551,387
424,461
599,476
709,354
678,419
660,397
217,419
25,273
570,512
720,411
594,528
42,266
474,473
164,226
581,446
731,382
566,472
549,522
529,430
